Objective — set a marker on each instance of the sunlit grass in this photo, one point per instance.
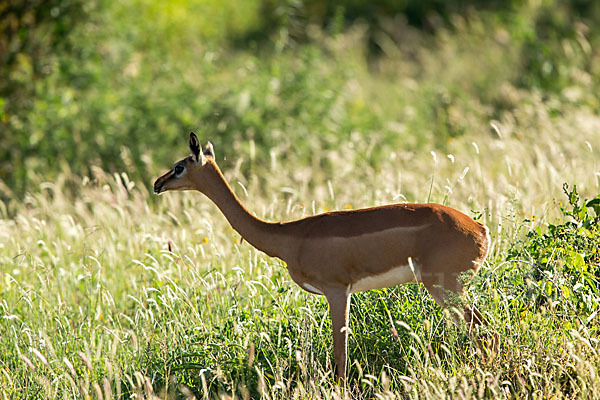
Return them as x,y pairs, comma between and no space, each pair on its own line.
111,292
108,291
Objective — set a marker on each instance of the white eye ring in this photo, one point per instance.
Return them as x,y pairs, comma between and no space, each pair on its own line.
179,169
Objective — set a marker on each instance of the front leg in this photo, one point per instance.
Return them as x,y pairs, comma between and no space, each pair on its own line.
339,306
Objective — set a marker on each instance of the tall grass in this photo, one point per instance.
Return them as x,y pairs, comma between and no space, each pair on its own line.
107,291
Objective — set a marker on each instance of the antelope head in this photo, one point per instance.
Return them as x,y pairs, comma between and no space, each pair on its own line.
187,174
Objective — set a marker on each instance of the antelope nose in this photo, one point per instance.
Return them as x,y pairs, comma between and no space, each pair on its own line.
157,187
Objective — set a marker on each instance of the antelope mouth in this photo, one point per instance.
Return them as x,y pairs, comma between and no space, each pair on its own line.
158,186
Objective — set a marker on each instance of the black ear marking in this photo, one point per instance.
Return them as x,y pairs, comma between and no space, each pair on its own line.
195,146
209,151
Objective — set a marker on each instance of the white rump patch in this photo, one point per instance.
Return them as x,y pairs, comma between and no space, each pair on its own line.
311,288
393,277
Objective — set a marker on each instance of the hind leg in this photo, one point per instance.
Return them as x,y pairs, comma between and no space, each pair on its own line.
447,291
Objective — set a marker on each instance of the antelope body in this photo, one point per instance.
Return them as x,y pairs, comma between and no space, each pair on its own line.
343,252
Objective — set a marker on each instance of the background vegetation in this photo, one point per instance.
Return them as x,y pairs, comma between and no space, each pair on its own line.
107,291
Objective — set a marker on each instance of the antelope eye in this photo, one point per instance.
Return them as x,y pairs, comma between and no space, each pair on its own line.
178,169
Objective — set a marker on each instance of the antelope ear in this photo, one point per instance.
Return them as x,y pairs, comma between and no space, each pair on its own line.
209,151
195,146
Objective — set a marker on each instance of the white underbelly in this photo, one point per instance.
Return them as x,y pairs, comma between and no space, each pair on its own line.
310,288
392,277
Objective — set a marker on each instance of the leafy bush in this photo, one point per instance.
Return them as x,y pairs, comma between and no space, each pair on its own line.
557,46
34,36
564,262
94,84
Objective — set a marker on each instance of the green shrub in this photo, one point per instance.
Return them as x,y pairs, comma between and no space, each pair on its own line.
563,263
117,84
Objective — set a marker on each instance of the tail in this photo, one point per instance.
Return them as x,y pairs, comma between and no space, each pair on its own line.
484,244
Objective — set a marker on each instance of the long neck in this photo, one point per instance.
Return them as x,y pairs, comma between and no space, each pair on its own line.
265,236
